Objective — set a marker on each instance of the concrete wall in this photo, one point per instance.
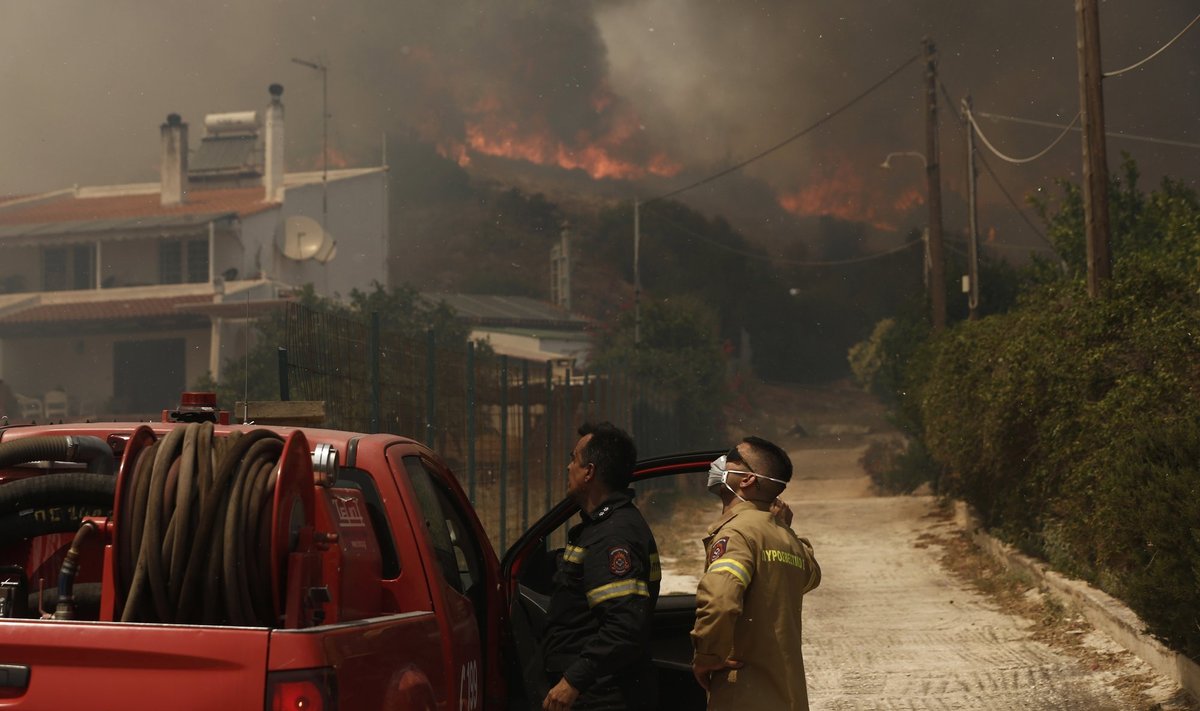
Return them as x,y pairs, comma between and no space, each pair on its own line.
83,365
357,221
1105,612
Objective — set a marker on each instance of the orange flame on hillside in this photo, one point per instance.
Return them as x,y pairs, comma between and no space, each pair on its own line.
844,194
335,159
491,132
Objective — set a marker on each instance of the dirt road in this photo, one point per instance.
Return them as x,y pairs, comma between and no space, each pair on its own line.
899,621
892,628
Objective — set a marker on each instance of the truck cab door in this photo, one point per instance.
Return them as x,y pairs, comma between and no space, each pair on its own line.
462,570
662,487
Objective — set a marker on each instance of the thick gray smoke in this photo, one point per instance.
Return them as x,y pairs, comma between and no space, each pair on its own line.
682,85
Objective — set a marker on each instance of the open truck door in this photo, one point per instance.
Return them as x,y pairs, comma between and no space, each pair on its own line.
661,485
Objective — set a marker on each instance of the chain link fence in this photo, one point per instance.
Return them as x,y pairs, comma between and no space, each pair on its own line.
505,425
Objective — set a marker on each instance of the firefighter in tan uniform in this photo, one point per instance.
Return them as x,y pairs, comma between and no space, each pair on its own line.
748,604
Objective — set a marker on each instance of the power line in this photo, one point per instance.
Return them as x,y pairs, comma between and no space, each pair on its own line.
1014,205
1010,159
786,141
996,179
1131,67
779,260
853,260
1110,134
1001,245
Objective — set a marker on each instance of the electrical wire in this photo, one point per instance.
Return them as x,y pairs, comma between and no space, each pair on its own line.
853,260
1131,67
780,260
1010,159
1003,190
997,245
1014,205
793,137
1110,134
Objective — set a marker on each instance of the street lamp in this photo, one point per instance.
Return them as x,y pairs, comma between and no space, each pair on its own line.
887,162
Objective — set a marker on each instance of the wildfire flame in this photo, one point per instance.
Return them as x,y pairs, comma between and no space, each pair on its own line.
490,132
844,194
334,159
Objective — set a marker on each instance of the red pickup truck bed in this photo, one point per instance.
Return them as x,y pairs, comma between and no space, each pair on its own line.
416,640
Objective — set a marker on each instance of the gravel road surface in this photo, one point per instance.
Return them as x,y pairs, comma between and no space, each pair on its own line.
892,627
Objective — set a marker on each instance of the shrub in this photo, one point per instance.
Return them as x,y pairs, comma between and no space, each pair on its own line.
1073,424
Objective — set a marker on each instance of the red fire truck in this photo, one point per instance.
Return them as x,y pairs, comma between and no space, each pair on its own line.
191,564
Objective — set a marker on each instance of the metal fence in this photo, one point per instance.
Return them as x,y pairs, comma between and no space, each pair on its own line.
506,426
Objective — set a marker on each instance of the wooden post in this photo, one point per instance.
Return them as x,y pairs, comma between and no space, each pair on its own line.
972,218
937,291
1095,152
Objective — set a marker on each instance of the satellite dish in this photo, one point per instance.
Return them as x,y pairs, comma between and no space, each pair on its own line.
327,251
302,238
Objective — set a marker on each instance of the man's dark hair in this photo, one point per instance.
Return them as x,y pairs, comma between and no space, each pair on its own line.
612,451
770,460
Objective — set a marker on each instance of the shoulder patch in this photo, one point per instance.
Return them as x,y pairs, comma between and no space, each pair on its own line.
718,549
619,561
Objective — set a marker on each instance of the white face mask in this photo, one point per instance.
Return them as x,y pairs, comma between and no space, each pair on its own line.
716,477
716,472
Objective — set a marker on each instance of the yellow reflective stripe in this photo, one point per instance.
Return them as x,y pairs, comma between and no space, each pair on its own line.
655,568
621,588
732,567
573,554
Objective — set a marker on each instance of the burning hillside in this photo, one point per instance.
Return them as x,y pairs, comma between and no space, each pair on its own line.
608,149
838,190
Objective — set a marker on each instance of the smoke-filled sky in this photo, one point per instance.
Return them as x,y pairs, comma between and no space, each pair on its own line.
660,92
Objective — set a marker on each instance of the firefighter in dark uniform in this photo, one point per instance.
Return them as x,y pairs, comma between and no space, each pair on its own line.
596,645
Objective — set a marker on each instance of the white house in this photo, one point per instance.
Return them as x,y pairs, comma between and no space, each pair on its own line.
124,295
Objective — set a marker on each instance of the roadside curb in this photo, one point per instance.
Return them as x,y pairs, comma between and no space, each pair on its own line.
1105,612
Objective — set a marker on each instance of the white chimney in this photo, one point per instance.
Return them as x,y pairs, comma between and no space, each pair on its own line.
273,149
174,161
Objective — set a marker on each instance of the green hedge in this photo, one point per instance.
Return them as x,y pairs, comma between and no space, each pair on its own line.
1073,424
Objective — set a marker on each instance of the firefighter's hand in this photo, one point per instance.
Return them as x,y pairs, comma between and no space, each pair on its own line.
703,671
560,697
782,513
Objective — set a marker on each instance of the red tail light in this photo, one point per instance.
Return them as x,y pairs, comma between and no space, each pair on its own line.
304,690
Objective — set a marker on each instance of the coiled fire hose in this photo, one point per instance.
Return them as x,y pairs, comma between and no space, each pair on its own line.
195,538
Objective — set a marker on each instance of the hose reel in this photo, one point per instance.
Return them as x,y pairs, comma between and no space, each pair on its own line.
215,530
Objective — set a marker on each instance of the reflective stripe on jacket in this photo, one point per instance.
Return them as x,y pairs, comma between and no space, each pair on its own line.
598,624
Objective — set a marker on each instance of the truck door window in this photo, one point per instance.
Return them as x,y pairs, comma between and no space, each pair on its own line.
457,557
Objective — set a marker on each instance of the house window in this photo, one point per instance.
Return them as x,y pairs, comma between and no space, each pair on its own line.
66,268
83,265
183,260
54,269
197,261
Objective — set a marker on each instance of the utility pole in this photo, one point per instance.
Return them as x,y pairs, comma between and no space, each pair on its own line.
320,67
637,275
972,217
1095,152
937,292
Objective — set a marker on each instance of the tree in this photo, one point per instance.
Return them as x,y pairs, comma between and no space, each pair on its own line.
679,354
403,314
